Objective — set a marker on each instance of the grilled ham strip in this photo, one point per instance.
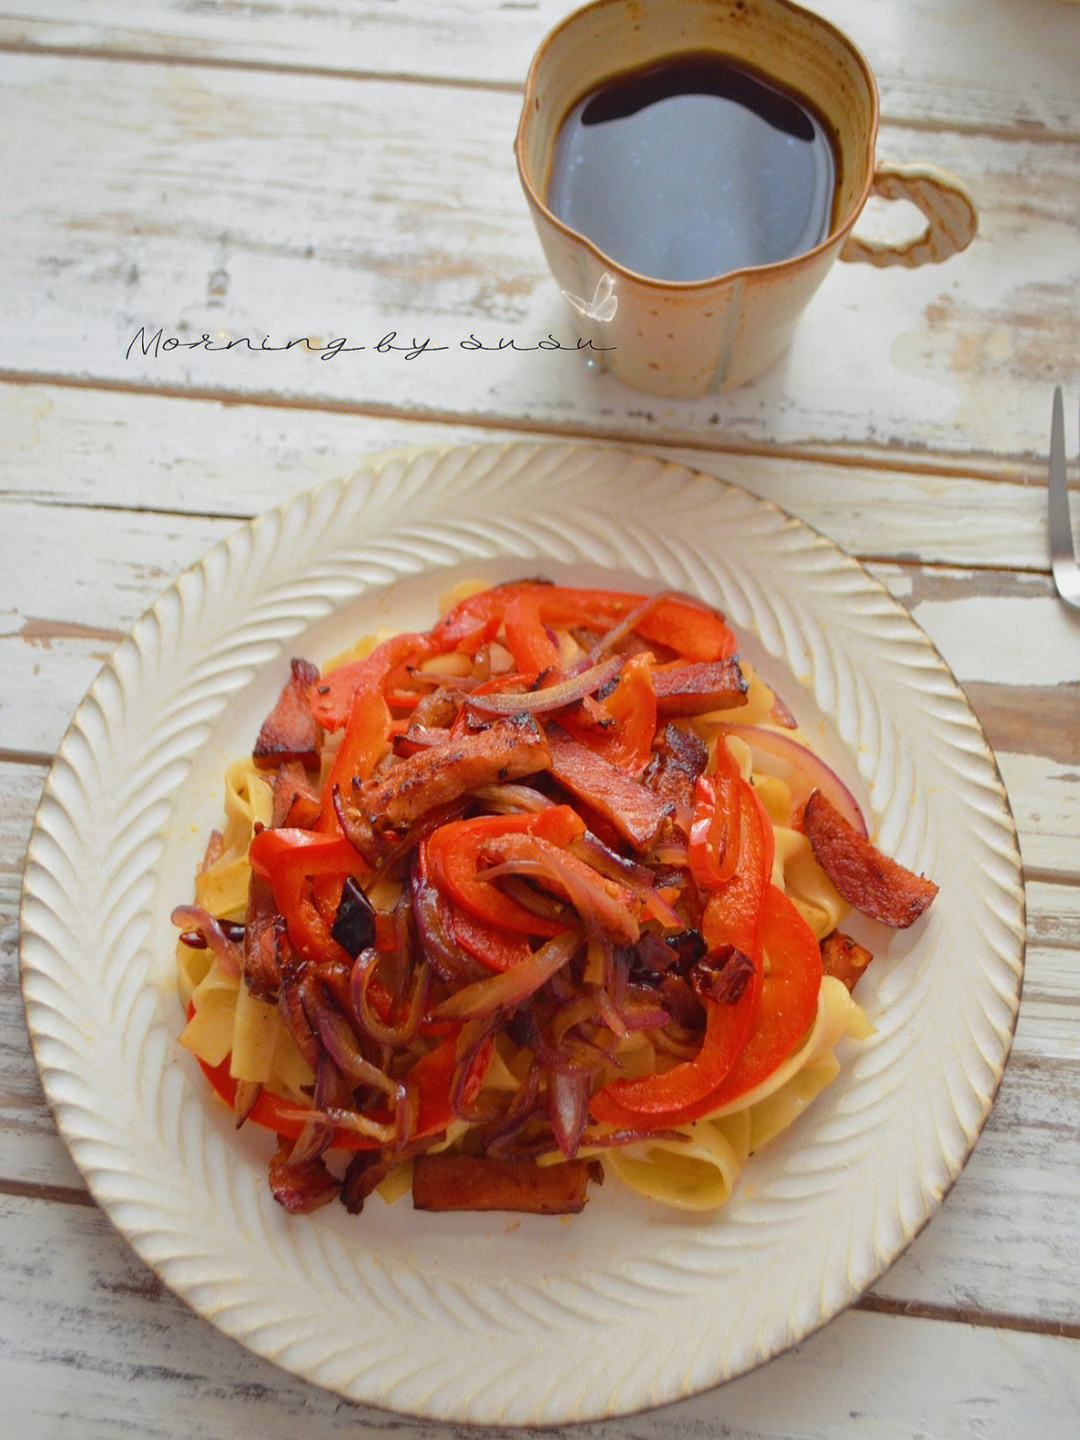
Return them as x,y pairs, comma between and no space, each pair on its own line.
697,689
624,802
505,750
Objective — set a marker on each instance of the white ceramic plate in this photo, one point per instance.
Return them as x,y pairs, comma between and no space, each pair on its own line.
496,1318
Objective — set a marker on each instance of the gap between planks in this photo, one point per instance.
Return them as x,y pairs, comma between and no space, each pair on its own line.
1024,132
873,1304
241,517
976,465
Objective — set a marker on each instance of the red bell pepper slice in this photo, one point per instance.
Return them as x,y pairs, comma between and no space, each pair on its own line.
625,742
683,1093
494,948
453,857
360,751
331,698
289,859
734,915
789,997
527,638
715,828
432,1075
692,631
733,911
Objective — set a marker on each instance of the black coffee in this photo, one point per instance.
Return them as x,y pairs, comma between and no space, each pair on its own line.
694,167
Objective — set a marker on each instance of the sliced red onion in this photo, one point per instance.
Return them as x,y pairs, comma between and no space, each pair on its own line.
537,902
675,1040
246,1098
610,1014
531,855
645,1017
568,1109
474,1036
291,1010
444,955
512,799
551,697
395,1036
215,849
335,1117
618,633
501,992
781,714
571,1055
803,771
615,1139
342,1046
636,878
500,1137
406,1113
313,1139
227,953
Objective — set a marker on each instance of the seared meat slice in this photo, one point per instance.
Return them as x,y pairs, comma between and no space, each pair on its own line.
868,880
505,750
634,812
697,689
290,731
844,958
465,1182
673,771
300,1188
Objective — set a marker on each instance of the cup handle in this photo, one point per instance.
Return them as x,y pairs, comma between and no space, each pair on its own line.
951,218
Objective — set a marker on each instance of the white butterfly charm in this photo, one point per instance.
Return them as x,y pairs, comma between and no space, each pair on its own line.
603,304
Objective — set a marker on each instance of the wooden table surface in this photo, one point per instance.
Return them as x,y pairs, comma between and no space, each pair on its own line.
343,168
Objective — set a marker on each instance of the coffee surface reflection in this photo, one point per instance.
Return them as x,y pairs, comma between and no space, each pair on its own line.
694,167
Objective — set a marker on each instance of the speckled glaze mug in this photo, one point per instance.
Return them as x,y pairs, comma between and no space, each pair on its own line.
687,338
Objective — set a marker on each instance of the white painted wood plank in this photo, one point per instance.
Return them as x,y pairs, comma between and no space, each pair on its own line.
971,62
87,1332
75,446
209,200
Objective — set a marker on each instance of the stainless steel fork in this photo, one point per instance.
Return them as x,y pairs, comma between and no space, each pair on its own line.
1062,550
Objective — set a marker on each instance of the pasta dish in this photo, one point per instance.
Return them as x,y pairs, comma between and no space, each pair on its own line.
546,895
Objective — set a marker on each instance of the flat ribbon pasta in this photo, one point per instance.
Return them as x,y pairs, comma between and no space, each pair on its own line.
699,1172
223,888
798,874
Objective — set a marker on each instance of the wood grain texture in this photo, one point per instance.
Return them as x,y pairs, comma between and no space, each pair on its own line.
222,202
981,63
94,447
87,1330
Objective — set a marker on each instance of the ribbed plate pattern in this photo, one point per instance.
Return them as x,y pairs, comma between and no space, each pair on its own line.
469,1318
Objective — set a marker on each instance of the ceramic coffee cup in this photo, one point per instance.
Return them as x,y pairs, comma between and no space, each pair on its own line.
686,338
